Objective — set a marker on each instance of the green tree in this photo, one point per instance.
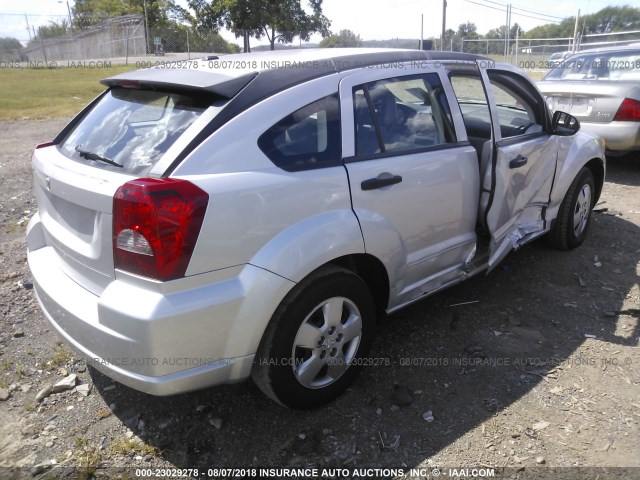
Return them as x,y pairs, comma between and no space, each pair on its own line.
346,38
277,20
54,29
87,13
10,49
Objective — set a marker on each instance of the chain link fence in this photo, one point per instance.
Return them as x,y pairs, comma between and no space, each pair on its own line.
535,53
118,39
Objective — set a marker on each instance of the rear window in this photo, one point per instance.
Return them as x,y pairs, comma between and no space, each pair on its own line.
613,65
132,128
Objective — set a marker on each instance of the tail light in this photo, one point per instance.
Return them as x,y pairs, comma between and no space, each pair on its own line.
629,111
156,223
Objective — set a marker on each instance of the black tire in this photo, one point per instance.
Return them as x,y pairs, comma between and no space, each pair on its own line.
282,365
574,216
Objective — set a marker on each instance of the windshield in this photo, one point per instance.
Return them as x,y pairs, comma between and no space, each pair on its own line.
129,130
615,65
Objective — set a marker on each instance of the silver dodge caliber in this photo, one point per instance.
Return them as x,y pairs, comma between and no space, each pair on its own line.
253,215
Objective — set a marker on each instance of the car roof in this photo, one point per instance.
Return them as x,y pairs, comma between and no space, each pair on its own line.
616,48
246,79
273,71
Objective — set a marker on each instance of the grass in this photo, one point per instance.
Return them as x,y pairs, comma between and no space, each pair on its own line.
88,457
60,358
135,446
42,93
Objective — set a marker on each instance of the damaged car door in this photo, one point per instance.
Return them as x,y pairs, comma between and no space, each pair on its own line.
523,163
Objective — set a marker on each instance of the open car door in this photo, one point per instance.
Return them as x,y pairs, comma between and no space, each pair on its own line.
523,164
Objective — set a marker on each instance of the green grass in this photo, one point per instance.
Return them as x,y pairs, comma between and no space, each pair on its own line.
41,93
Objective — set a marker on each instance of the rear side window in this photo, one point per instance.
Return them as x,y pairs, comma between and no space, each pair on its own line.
306,139
401,114
132,128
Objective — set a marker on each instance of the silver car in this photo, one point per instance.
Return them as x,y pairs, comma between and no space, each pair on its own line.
601,88
207,221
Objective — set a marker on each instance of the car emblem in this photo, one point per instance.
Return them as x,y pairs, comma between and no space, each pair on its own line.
48,180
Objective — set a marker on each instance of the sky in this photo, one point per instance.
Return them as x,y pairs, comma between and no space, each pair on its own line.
371,19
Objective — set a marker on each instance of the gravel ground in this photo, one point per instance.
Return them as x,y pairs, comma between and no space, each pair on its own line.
532,368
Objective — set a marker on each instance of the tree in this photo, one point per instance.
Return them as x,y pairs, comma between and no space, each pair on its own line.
54,29
10,49
278,20
87,13
346,38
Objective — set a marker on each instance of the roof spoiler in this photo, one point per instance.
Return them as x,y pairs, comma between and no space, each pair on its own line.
183,79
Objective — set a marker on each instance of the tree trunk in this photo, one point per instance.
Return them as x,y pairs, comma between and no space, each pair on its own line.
273,38
247,45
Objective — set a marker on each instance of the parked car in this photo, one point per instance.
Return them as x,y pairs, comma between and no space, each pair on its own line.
556,59
601,88
253,215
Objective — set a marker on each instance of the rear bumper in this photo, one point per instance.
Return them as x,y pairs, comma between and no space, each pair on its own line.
157,338
620,137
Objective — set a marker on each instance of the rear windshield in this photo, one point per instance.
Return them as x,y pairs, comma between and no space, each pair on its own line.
620,65
129,130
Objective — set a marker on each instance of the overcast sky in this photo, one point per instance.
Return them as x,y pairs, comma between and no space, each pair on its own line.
371,19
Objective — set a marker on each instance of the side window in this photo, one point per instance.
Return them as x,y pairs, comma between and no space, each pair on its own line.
401,114
306,139
473,106
519,113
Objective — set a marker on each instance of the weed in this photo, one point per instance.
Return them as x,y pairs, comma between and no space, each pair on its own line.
133,445
59,359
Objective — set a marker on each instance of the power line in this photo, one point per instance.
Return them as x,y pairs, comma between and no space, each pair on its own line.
517,13
525,10
483,5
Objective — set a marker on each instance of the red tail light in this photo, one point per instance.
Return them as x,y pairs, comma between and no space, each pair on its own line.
629,111
156,223
45,144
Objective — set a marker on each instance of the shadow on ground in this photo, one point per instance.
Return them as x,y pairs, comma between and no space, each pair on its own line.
465,363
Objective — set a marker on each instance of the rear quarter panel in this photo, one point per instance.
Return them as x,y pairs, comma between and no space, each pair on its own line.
289,223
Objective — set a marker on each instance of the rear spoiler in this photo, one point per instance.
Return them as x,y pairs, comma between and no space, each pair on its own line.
183,79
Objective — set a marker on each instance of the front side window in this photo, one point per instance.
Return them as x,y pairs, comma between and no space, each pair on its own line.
401,114
129,129
520,110
306,139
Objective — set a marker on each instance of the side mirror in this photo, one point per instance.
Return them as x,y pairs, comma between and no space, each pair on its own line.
564,124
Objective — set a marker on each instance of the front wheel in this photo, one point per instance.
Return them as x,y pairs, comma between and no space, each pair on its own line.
574,215
316,339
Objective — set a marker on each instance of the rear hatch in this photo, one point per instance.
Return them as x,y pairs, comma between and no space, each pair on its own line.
121,137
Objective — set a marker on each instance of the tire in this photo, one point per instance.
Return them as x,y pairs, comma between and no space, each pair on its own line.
308,355
574,216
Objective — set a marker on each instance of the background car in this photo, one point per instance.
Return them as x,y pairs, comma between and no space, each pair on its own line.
601,88
253,215
557,58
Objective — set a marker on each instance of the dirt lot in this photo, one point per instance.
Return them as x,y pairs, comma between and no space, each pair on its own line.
533,368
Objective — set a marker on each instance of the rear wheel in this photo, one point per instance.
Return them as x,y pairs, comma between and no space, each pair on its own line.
316,340
574,216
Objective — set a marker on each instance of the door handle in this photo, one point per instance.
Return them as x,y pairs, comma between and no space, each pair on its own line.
383,180
518,162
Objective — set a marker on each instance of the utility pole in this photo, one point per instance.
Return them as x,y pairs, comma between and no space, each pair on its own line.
146,28
575,34
28,27
507,33
444,23
422,31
